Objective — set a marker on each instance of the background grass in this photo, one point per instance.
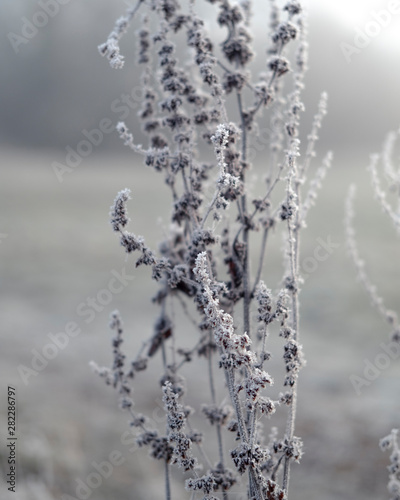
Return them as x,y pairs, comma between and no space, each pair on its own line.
60,249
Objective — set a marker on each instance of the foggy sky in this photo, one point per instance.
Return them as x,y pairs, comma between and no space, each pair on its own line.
57,85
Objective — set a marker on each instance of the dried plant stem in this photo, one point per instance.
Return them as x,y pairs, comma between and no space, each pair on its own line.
246,266
167,482
236,404
218,424
210,207
211,375
276,468
376,300
221,455
290,433
293,234
214,400
246,263
380,194
246,284
261,260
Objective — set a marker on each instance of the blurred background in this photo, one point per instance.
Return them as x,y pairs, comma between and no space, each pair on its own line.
57,249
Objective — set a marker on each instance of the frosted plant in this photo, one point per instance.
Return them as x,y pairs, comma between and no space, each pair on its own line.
393,178
391,442
390,317
203,265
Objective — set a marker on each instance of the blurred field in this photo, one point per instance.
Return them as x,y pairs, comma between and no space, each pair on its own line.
60,249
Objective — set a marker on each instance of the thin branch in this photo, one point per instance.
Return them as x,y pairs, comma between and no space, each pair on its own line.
381,195
167,482
246,263
293,237
376,300
261,261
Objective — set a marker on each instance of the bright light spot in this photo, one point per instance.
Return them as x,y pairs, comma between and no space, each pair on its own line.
357,14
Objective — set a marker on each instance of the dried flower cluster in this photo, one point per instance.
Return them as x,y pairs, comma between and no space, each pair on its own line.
391,442
203,265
